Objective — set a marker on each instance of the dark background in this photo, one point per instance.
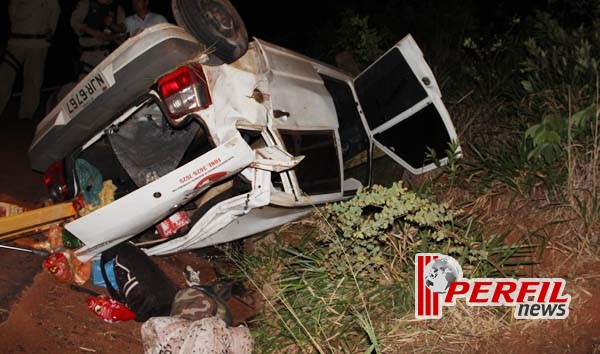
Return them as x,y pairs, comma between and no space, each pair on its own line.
312,27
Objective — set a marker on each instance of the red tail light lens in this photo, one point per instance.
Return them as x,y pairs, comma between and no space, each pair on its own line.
184,90
176,81
54,179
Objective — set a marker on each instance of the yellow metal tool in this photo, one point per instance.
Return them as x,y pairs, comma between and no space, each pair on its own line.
34,220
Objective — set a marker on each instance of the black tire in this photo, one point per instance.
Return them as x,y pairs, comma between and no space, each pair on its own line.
215,23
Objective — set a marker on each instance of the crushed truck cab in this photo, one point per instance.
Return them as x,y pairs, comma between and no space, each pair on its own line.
230,148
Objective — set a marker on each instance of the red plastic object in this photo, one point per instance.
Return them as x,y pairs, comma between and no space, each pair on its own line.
170,226
109,310
78,202
57,264
54,179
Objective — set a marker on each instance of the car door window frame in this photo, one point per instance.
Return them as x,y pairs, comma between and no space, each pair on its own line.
413,57
304,198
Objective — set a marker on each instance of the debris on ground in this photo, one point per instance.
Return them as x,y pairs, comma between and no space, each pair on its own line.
104,196
8,209
199,322
28,222
33,251
109,310
138,289
57,264
62,263
81,270
141,285
55,237
209,335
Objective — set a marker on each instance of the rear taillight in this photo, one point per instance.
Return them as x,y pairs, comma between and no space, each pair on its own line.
54,179
184,90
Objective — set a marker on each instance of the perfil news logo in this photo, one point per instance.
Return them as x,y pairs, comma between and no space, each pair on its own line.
439,282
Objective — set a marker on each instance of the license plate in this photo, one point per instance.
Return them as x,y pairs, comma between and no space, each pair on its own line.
86,92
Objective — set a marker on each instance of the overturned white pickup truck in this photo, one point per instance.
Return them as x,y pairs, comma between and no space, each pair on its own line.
233,148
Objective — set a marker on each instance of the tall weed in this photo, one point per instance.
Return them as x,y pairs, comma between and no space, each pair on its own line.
343,287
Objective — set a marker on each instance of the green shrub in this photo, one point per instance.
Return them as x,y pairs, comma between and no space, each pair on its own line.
559,78
549,138
364,226
345,290
364,41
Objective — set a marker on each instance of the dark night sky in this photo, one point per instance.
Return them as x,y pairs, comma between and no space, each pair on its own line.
284,23
301,25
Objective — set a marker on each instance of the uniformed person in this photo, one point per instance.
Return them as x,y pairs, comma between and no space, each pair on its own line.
99,25
32,23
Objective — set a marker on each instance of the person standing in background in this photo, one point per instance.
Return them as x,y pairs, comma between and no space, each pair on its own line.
32,24
99,26
142,18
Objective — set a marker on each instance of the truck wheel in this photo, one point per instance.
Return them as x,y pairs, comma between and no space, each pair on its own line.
215,23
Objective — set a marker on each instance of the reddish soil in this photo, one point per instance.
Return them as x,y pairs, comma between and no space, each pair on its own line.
17,183
50,317
580,332
18,270
41,315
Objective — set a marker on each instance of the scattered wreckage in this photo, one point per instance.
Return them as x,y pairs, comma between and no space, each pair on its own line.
179,146
208,146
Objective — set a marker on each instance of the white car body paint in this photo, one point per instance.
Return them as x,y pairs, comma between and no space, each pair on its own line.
287,82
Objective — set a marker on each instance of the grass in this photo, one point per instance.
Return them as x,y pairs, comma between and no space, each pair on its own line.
582,194
516,207
307,309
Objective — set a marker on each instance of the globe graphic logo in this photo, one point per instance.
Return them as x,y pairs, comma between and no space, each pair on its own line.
440,273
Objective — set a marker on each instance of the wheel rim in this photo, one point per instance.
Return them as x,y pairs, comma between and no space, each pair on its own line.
216,24
222,20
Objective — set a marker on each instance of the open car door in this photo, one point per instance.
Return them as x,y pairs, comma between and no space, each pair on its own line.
403,110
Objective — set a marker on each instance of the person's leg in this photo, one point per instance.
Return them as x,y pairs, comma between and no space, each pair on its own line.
11,63
33,77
